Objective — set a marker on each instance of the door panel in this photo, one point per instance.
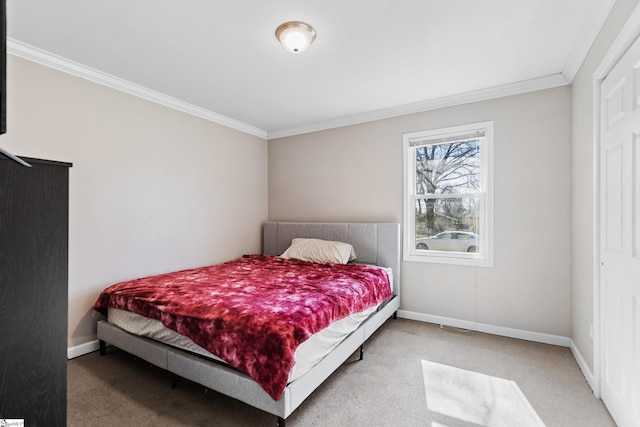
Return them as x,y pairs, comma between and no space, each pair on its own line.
636,85
613,199
620,239
635,244
613,342
614,103
635,356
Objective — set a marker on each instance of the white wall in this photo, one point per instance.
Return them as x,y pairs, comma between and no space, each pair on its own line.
583,261
151,189
355,174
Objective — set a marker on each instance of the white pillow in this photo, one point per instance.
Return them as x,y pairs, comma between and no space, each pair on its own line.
317,250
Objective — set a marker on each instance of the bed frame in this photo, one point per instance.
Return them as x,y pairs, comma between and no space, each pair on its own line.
374,243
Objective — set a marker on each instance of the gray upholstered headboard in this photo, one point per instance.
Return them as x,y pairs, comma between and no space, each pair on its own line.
374,243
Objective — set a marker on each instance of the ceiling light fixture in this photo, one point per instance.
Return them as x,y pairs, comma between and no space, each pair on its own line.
295,36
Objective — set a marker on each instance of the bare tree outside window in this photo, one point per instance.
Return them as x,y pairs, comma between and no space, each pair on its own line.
448,168
448,194
443,171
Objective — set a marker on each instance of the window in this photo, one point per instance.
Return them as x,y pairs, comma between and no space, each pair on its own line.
448,195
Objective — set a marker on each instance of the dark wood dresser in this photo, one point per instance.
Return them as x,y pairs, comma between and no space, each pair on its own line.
34,211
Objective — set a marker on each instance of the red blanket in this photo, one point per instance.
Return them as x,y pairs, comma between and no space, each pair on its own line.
252,312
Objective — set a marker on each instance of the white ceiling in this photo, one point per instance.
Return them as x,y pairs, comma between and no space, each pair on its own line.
371,59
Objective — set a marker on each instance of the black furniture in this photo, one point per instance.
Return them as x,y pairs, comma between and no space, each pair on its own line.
34,208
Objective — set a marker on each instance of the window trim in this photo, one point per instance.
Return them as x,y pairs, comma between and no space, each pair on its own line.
484,257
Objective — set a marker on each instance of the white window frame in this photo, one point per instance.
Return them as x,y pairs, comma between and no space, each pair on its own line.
484,256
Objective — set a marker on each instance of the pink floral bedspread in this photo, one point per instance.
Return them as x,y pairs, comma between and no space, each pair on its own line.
252,312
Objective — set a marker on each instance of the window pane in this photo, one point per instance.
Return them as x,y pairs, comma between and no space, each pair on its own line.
447,224
449,168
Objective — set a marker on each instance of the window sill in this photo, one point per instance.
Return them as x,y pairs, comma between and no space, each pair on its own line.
445,258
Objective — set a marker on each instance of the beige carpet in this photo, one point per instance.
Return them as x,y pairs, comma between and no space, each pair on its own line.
460,397
387,388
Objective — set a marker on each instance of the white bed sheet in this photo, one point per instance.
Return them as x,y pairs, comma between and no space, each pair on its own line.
307,355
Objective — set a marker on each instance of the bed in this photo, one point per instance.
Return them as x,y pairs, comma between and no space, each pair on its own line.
374,244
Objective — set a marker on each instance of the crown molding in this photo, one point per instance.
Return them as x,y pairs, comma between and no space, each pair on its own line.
548,82
48,59
623,41
60,63
596,17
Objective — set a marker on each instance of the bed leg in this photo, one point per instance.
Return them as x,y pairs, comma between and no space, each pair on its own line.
174,381
361,351
395,315
103,348
280,422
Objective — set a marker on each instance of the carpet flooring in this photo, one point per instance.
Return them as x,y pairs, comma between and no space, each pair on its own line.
388,388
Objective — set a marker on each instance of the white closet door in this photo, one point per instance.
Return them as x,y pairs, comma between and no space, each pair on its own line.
620,239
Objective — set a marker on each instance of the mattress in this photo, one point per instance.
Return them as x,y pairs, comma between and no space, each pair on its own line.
307,355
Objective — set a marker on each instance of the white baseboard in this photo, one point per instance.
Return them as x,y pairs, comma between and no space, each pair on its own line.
582,364
82,349
489,329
